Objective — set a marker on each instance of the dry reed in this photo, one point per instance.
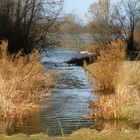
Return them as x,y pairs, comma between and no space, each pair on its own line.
128,88
110,55
124,76
23,82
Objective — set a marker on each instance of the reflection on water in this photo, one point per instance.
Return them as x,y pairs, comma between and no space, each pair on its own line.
65,108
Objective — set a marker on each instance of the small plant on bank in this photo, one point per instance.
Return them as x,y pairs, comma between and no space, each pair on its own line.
23,82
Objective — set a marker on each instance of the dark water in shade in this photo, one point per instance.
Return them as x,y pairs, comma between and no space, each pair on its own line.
68,103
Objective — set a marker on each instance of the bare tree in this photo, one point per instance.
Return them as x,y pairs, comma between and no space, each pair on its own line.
28,23
117,21
128,17
102,22
71,24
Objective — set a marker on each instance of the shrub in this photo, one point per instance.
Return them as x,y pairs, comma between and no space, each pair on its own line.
23,82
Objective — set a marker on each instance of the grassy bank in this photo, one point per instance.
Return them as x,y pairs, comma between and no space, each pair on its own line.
23,83
83,134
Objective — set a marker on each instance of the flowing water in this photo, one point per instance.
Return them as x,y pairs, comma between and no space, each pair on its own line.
68,103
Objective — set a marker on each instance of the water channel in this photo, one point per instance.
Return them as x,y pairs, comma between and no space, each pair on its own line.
68,103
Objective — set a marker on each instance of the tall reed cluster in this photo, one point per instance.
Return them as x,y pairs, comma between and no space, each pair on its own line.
108,59
23,82
118,84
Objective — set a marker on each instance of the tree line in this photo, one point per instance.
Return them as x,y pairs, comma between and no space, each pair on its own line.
29,23
116,21
108,20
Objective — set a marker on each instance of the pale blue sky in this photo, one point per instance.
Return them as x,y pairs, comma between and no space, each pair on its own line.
79,7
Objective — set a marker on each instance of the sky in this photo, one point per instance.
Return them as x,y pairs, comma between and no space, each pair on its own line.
78,7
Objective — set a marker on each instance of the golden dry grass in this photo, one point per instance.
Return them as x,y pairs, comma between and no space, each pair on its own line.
128,89
110,55
23,82
112,72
